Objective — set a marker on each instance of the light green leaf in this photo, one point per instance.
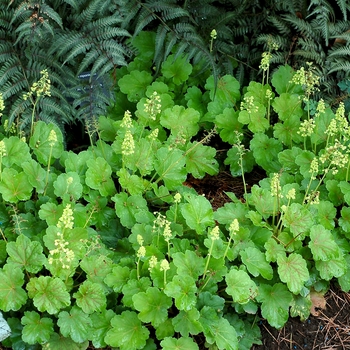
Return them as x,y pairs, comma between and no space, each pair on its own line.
131,209
304,160
228,124
58,342
15,186
181,121
35,174
218,330
240,286
90,297
15,146
262,200
187,322
255,119
26,254
282,81
176,68
198,213
256,263
170,166
75,324
132,183
132,287
118,277
335,267
322,244
275,300
98,176
183,289
298,219
200,160
287,159
41,145
183,343
344,280
153,306
102,324
326,213
273,250
189,264
287,132
265,151
127,332
12,296
135,84
288,106
293,271
234,161
68,187
48,294
301,307
36,329
226,92
50,212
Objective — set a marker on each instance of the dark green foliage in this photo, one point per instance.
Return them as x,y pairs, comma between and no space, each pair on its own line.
67,38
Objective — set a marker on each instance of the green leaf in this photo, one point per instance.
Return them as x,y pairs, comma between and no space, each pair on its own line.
26,254
135,84
132,287
273,250
227,91
48,294
265,151
331,268
298,219
262,200
228,124
240,286
334,192
287,159
288,106
98,176
234,161
153,306
183,343
187,322
256,263
304,160
15,146
50,212
181,121
127,332
218,330
344,280
326,214
15,186
75,324
293,271
131,209
41,145
344,220
282,81
12,296
101,324
189,264
132,183
90,297
255,119
322,244
345,189
200,160
35,174
68,187
170,166
183,289
36,329
118,278
195,100
59,342
287,132
198,213
275,300
301,307
176,68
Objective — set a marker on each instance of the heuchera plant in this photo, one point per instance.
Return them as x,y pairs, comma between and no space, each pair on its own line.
108,246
